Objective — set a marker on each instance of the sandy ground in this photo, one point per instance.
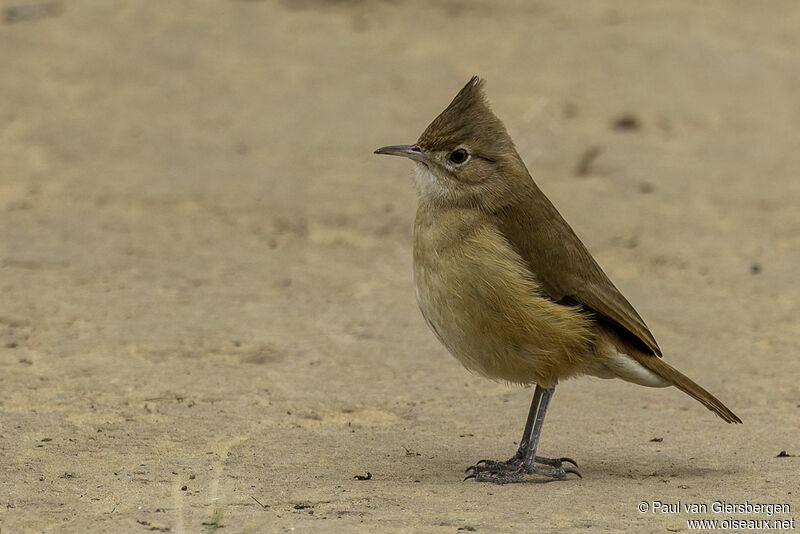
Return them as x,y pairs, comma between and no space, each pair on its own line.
207,320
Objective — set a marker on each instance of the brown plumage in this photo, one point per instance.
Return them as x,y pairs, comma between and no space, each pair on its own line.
504,282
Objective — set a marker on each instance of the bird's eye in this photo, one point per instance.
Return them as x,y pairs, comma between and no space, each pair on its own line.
458,156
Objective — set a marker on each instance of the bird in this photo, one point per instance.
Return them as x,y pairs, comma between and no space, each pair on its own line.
509,289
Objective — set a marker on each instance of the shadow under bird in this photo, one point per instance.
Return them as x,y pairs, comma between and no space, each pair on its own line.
507,286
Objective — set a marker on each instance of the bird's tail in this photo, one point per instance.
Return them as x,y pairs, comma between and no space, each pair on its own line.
687,385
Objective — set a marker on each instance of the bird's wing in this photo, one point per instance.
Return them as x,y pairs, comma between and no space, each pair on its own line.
565,268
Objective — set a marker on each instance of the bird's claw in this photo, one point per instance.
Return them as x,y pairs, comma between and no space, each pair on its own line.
573,471
515,468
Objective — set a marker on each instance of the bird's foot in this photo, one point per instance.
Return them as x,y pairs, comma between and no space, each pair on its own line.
515,469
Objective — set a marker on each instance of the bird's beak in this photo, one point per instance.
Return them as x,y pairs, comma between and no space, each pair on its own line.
408,151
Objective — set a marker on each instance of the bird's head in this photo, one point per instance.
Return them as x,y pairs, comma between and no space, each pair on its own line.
465,157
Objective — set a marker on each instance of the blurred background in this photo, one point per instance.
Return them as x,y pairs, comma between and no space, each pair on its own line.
207,315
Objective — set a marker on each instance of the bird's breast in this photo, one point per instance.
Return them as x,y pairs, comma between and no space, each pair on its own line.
483,304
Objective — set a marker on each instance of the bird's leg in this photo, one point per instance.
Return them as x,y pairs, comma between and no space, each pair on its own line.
517,459
530,455
525,460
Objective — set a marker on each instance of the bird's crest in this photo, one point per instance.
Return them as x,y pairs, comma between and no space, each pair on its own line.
468,120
